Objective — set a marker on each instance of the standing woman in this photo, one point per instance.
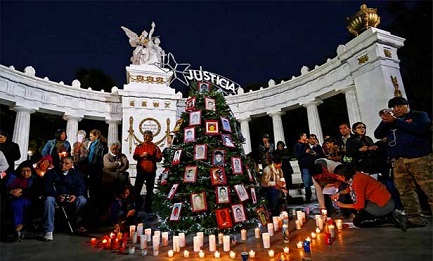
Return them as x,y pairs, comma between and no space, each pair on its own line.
362,150
283,153
58,147
10,149
95,161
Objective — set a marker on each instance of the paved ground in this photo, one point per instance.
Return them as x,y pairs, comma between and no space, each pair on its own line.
383,243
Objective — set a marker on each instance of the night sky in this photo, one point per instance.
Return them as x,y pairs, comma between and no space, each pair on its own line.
246,41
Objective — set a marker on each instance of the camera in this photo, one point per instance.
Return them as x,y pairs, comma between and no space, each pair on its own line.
386,111
67,198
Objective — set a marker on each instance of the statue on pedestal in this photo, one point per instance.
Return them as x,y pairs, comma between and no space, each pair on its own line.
147,49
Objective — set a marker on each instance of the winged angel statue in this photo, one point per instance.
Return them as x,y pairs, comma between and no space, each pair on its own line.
147,49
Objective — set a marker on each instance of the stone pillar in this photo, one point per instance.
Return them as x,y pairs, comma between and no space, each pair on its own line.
314,119
277,124
22,130
245,130
72,128
352,104
113,130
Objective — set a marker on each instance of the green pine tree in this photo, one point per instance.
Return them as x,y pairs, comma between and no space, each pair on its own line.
205,219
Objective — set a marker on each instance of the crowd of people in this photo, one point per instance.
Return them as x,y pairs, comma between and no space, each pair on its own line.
388,181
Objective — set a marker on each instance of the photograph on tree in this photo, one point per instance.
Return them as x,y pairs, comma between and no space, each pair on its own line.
222,194
242,192
175,213
209,104
176,157
225,123
172,191
195,118
190,175
223,218
190,104
189,135
212,127
200,152
198,202
218,157
238,213
236,165
218,176
204,87
227,140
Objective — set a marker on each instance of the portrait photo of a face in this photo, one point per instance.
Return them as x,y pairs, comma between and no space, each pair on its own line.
218,157
227,140
176,157
198,202
190,175
175,211
242,192
200,152
236,165
223,194
210,104
225,123
204,87
195,118
238,213
189,135
172,191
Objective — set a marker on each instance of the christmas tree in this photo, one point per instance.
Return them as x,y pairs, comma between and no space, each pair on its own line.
208,185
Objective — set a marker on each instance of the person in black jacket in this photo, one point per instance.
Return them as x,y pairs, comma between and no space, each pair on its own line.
10,149
63,185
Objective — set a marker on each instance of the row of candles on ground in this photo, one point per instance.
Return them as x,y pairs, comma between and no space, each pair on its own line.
118,241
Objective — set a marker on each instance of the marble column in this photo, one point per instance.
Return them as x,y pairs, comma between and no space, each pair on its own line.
314,119
113,130
245,130
352,104
72,128
21,133
277,124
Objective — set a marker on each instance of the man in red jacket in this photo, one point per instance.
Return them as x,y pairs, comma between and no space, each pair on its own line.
147,154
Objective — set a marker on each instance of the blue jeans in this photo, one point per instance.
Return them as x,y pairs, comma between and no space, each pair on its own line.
308,182
50,210
19,206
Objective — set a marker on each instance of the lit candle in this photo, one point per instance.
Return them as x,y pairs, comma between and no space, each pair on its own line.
317,230
140,228
299,215
176,246
257,232
134,237
339,224
181,239
157,233
313,235
164,236
275,223
196,243
286,250
155,245
119,235
266,240
304,218
185,253
232,255
243,234
200,237
317,217
226,243
271,229
170,253
148,233
217,254
201,254
271,253
298,224
294,212
320,223
131,250
220,238
299,244
131,230
212,243
143,242
331,229
93,241
252,254
324,212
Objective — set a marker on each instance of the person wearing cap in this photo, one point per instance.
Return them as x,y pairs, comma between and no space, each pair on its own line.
266,150
407,133
147,154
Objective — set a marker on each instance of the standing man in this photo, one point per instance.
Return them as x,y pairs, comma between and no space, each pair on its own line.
266,150
408,137
147,154
345,135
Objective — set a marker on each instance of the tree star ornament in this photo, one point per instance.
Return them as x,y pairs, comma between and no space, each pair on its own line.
176,68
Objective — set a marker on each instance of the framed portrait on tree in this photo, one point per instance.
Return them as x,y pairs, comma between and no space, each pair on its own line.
263,216
189,134
211,127
253,195
236,165
190,175
195,118
190,104
241,192
238,211
222,194
200,152
225,123
218,176
175,211
176,157
204,87
172,191
198,202
218,157
223,218
227,140
250,175
209,104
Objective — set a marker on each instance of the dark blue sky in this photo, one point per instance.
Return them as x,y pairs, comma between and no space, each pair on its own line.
245,41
